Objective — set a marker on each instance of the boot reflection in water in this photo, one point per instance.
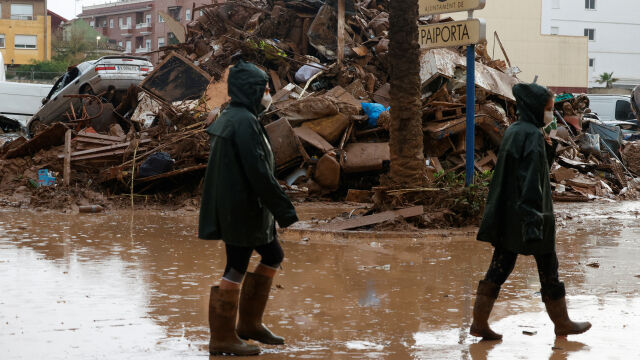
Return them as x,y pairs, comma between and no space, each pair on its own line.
518,217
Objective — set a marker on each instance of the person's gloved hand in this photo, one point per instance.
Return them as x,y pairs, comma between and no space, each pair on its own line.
532,230
287,220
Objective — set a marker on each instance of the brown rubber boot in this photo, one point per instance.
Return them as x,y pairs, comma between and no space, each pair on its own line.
253,300
485,298
557,310
223,308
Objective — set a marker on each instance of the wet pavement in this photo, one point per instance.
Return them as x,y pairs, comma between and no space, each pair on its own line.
123,286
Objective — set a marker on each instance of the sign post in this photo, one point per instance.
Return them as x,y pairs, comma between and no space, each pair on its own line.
470,135
434,7
453,34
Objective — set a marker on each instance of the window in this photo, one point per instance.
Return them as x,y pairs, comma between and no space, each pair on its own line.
104,23
555,30
147,44
129,22
187,14
25,41
623,110
590,4
120,23
160,42
22,11
201,12
148,18
127,49
592,63
1,41
111,23
120,43
590,33
555,4
92,23
160,19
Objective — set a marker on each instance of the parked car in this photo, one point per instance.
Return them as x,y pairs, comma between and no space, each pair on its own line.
612,107
115,73
20,101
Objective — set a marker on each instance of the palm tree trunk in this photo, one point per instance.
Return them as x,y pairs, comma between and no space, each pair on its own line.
406,137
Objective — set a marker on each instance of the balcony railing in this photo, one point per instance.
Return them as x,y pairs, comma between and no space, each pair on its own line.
143,25
23,17
125,27
142,50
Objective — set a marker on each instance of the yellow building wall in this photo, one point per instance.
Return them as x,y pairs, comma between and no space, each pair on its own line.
559,61
10,28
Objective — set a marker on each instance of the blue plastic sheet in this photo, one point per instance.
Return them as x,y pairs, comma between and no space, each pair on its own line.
373,111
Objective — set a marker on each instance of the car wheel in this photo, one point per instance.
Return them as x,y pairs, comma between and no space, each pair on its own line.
86,89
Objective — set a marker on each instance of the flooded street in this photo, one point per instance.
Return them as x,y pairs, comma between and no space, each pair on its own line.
122,286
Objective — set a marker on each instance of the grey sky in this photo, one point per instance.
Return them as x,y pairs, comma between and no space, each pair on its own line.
67,8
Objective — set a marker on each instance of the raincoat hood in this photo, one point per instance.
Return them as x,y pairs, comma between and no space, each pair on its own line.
531,100
246,86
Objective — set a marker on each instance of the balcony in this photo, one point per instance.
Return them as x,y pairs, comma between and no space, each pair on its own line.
142,50
143,26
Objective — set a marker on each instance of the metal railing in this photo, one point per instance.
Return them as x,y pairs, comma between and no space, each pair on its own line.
33,76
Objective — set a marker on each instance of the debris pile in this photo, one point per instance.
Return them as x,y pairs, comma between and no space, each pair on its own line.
592,158
329,123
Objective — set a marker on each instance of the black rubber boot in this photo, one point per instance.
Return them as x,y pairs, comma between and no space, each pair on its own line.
253,301
554,300
223,310
485,298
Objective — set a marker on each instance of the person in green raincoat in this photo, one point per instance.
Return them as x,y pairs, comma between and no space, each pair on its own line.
518,217
241,200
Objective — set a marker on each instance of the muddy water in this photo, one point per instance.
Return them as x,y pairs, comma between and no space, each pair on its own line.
117,286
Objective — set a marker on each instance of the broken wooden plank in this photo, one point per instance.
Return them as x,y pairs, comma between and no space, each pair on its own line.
104,148
66,175
436,164
50,137
341,18
373,219
313,138
99,155
82,139
101,136
275,78
172,173
217,92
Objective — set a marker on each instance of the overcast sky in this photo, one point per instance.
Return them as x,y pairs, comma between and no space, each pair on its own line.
68,8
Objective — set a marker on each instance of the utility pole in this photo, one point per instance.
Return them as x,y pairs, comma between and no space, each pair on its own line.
46,38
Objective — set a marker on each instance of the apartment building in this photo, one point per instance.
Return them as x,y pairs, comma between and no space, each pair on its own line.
137,25
612,28
25,31
559,62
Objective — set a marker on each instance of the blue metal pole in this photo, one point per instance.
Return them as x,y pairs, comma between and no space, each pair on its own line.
471,114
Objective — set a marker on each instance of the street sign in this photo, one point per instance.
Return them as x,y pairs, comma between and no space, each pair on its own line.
452,34
432,7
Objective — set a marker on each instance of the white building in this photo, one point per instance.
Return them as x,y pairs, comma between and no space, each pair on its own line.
613,29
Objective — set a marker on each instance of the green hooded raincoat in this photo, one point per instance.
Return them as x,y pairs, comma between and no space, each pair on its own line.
519,213
241,195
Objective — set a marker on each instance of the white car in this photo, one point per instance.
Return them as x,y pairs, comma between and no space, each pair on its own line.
612,107
90,77
19,101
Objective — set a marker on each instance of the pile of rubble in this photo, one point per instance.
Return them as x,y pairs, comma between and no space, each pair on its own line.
329,124
593,159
